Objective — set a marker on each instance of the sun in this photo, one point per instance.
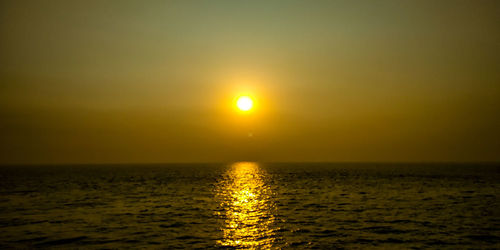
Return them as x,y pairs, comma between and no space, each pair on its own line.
244,103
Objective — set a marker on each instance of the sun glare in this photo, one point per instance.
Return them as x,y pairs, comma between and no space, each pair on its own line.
244,103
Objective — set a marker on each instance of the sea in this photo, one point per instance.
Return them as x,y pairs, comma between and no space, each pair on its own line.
251,205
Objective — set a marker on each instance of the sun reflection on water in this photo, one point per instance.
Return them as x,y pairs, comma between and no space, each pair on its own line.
246,207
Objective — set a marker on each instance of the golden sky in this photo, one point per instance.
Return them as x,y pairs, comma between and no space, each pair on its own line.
155,81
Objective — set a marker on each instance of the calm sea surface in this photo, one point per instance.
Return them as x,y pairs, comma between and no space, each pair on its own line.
251,205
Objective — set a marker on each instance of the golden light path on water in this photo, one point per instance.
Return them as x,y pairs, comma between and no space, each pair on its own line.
246,207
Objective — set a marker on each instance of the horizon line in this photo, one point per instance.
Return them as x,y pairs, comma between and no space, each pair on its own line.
263,162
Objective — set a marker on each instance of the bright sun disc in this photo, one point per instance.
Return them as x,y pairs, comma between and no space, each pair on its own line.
244,103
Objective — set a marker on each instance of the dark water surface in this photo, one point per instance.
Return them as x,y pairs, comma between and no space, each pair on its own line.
251,205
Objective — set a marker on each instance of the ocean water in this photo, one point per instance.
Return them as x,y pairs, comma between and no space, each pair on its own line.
251,205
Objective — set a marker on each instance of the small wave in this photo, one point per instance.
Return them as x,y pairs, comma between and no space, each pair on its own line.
175,224
63,241
385,230
188,237
31,240
485,238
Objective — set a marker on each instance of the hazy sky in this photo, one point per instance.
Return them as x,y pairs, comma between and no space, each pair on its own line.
154,81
